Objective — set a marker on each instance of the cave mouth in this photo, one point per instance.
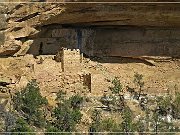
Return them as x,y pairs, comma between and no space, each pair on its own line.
107,41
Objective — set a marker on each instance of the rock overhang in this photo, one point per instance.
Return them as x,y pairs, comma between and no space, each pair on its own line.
93,15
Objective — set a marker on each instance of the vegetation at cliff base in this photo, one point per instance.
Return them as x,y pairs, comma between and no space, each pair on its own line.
67,113
29,103
111,113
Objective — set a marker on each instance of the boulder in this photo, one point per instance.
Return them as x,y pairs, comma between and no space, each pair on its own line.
24,32
22,82
10,47
24,48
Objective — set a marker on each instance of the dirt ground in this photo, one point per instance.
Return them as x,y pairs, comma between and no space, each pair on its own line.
161,78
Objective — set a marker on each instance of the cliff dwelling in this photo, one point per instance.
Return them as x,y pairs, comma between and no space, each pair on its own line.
72,31
90,67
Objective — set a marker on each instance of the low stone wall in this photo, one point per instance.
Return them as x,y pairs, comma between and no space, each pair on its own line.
77,78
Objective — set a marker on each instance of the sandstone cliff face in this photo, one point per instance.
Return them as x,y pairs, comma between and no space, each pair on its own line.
21,21
25,21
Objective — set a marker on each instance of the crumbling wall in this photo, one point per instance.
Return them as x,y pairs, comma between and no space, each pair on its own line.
79,78
70,59
53,40
87,80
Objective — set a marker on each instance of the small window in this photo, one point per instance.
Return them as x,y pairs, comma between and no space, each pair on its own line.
41,48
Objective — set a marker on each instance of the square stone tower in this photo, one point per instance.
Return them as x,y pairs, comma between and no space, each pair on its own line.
70,59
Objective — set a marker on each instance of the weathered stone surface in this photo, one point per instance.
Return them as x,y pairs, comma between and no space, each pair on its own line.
10,48
4,81
119,14
24,49
110,41
27,19
2,38
3,22
24,32
23,19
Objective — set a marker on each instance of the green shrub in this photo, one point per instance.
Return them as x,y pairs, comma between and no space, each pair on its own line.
29,102
114,101
164,104
109,125
76,101
22,126
140,126
52,130
160,125
103,125
138,80
67,113
117,86
127,124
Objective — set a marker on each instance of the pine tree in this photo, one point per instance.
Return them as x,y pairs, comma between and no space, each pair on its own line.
30,103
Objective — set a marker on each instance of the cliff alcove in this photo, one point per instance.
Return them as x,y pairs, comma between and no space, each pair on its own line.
108,41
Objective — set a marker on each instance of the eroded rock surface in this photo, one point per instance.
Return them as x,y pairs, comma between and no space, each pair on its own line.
21,21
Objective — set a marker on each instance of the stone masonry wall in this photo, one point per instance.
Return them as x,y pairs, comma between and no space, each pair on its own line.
79,78
70,59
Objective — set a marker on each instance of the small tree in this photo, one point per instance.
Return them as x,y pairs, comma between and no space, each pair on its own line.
159,125
117,86
127,124
51,128
7,120
76,101
67,113
138,81
96,118
61,96
114,101
140,126
66,118
29,103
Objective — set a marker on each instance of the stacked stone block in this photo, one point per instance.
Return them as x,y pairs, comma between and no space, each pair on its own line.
70,59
